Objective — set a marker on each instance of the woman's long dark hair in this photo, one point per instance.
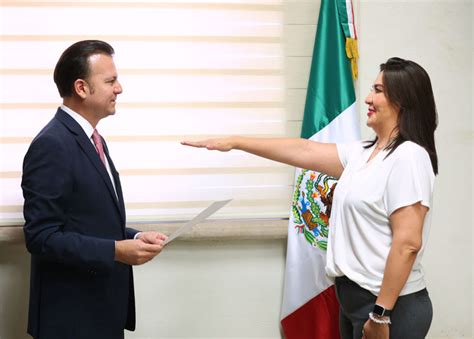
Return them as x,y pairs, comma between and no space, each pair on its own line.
408,87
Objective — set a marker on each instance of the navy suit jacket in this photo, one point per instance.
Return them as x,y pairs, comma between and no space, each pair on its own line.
72,219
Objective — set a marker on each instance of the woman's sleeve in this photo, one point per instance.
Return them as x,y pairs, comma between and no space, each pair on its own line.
346,150
410,181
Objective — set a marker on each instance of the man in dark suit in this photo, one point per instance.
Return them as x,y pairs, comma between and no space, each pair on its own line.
81,252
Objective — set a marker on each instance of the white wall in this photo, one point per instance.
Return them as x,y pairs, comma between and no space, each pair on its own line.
212,290
234,288
437,35
14,287
209,289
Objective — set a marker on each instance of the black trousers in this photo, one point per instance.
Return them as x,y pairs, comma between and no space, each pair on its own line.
411,316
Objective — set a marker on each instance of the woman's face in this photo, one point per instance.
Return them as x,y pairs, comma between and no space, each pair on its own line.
382,115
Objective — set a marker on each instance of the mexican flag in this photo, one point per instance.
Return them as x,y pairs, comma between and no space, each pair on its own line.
310,308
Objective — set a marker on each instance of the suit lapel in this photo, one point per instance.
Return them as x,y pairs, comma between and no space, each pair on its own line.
118,186
86,145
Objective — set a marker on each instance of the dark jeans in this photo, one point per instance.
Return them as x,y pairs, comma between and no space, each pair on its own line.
411,316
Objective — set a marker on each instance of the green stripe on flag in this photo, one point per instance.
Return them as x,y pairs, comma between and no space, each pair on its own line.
344,19
330,87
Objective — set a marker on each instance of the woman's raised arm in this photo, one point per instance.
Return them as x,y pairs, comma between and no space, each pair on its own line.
296,152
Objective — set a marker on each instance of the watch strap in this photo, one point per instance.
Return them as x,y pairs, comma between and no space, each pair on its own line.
381,311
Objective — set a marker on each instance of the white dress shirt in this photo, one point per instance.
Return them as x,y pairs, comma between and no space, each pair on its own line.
89,130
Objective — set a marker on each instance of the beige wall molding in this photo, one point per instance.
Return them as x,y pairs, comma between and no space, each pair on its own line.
231,229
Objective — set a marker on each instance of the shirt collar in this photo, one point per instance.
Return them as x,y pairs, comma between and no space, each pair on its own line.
86,126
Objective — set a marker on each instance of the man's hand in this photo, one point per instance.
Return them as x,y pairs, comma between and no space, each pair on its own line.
152,237
141,250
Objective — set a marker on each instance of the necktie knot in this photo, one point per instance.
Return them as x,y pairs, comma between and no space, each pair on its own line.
98,145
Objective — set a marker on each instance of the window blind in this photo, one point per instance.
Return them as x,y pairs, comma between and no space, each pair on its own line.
189,70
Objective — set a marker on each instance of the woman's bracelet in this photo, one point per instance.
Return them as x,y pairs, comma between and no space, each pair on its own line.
379,320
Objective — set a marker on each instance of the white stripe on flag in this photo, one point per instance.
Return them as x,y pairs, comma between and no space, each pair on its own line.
344,128
305,275
350,17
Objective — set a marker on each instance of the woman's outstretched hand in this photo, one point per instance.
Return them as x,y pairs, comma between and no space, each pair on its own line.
220,144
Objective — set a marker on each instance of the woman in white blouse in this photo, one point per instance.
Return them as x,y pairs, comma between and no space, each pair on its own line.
381,208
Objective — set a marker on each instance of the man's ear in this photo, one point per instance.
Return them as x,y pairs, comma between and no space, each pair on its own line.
81,88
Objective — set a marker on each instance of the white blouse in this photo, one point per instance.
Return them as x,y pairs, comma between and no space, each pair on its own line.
367,193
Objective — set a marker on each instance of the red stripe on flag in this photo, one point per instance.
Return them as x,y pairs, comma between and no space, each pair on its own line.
317,319
353,22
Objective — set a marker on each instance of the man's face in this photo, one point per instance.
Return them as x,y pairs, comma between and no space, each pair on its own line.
103,86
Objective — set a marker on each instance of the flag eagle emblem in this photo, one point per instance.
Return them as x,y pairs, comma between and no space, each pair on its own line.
311,207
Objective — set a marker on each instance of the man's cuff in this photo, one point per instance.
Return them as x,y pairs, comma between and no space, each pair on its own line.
136,235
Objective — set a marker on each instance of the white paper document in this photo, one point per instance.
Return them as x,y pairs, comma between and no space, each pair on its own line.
213,208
